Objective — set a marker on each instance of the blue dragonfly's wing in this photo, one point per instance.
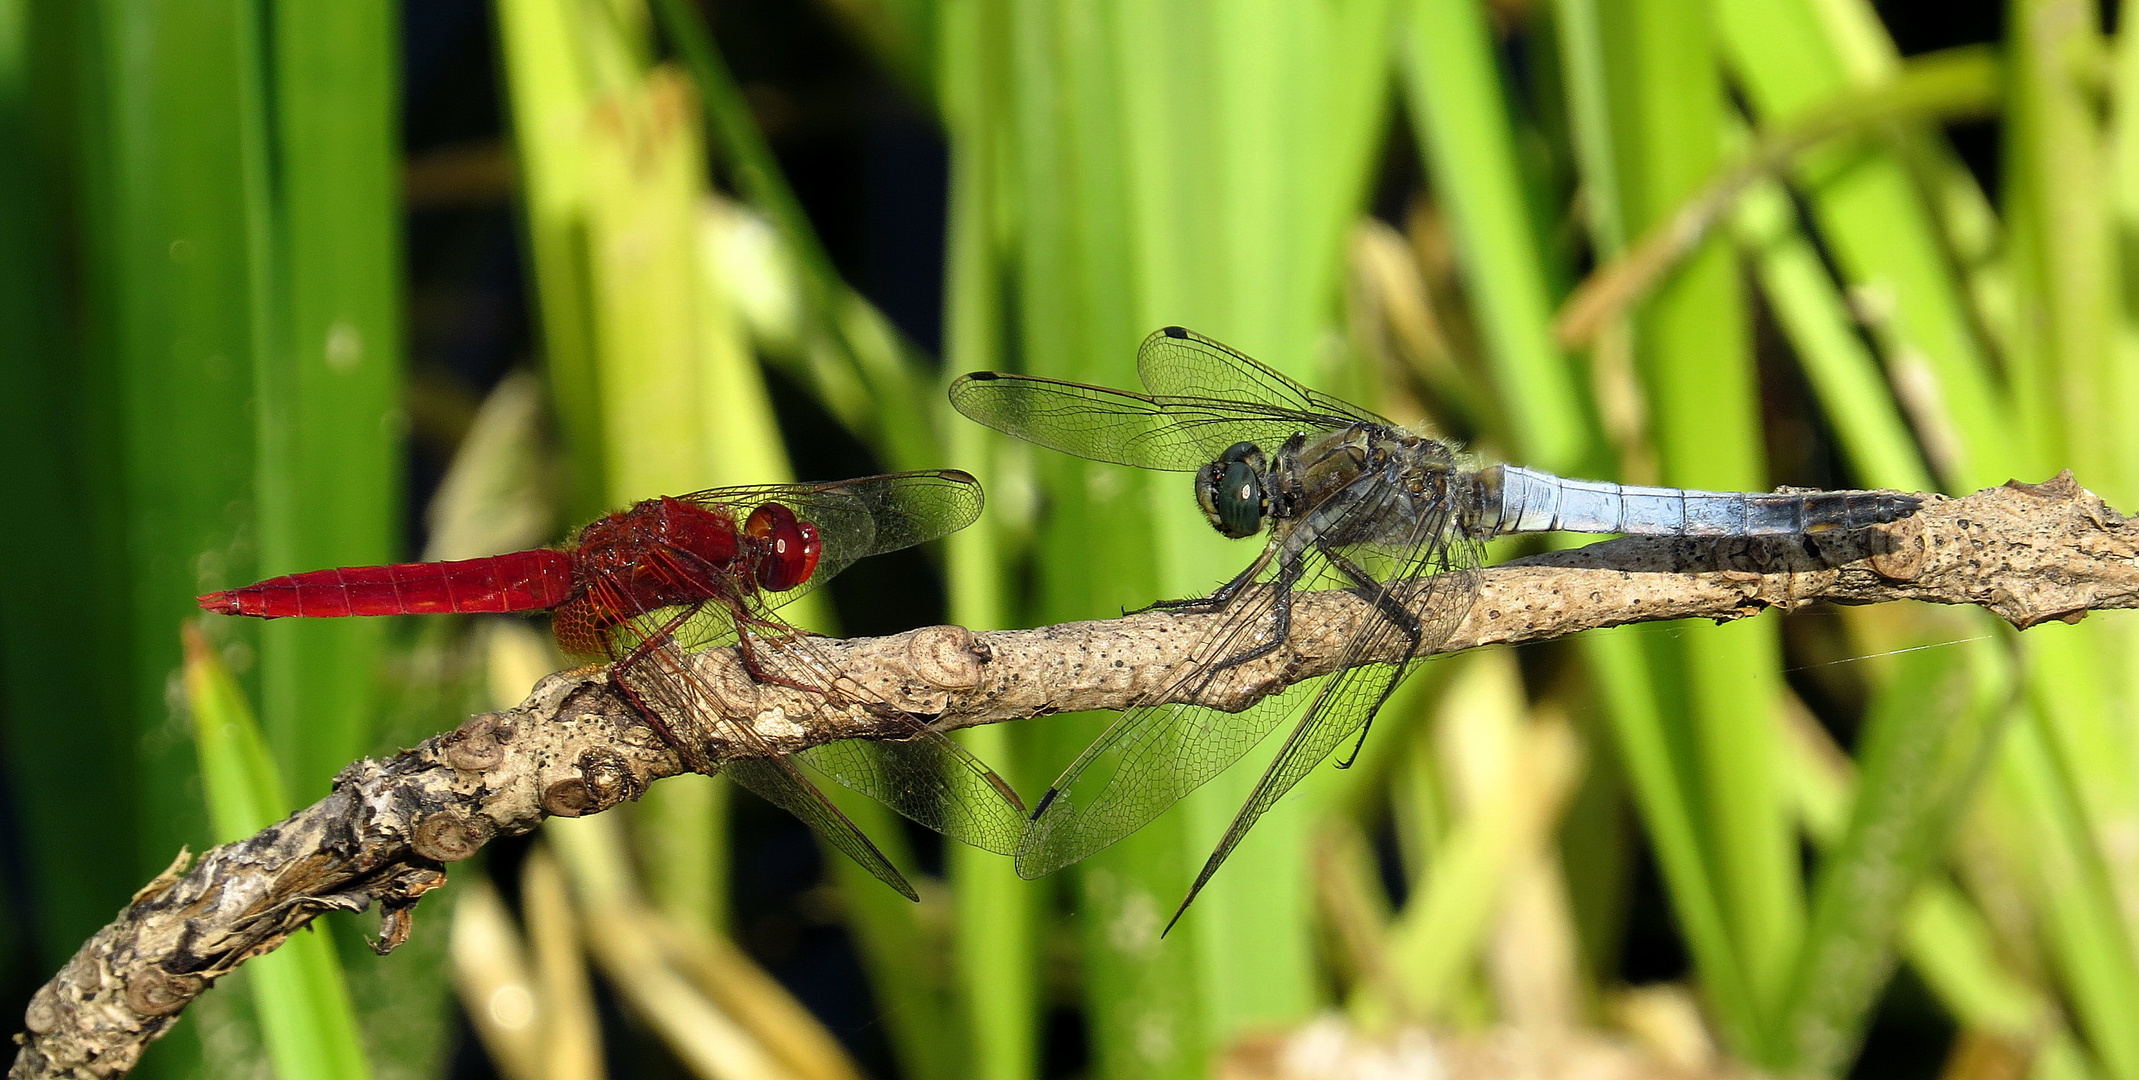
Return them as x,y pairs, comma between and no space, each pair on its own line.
1156,753
1177,363
1432,577
1174,434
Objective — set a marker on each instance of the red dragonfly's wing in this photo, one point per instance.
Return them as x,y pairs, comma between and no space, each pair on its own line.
665,685
922,774
861,517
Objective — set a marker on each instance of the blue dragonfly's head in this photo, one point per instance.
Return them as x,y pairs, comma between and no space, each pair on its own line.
1232,493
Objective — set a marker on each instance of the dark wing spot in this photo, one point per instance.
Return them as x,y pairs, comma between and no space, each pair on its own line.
1175,332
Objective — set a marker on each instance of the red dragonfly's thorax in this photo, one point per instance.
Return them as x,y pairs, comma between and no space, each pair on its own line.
665,552
659,553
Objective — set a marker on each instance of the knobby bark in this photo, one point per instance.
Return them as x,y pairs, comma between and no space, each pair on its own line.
2029,553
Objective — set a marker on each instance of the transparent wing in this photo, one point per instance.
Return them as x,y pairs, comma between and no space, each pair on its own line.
666,687
1158,753
1171,434
1180,363
776,780
1434,570
862,517
1154,755
922,775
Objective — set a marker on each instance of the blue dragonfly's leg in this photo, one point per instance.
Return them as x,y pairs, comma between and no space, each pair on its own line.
1192,603
1280,621
1406,623
1200,605
1399,616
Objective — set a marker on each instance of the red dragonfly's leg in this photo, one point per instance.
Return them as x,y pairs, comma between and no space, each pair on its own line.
756,669
692,756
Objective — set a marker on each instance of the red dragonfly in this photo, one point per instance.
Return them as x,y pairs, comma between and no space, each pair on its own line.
644,587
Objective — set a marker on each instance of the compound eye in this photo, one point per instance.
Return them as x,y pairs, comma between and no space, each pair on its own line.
1235,500
791,547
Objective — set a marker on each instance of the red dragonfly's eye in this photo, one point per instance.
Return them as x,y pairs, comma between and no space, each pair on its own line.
792,547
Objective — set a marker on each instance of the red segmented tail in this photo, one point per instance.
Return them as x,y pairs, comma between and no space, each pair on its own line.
521,581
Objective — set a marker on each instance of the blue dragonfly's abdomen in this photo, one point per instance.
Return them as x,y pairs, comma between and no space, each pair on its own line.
1533,501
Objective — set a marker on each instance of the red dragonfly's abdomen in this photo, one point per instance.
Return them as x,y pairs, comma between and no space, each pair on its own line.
521,581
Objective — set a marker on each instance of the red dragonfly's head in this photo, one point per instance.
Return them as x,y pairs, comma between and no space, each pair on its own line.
789,547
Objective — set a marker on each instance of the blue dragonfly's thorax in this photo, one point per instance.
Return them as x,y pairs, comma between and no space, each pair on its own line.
1367,484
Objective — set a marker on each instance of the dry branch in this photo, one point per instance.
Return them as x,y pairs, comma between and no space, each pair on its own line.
2029,553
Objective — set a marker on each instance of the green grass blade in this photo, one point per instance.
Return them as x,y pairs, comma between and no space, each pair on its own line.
997,915
29,340
1244,136
896,386
1457,102
1885,237
238,775
1653,744
1945,937
49,406
330,380
142,442
305,1014
2074,770
1080,319
175,284
2119,380
228,206
1949,943
1662,773
1927,735
1875,438
2059,182
1486,190
1213,267
1695,361
2086,935
2073,773
1579,28
547,92
641,163
2072,375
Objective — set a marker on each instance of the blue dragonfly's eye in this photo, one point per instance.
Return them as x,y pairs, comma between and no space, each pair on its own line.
1231,491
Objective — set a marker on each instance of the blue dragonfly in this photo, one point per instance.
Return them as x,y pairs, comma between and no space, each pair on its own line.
1349,500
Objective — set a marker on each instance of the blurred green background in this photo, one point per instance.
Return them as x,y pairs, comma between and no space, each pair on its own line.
290,284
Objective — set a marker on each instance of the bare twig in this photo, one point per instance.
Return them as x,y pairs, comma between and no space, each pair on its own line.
2029,553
